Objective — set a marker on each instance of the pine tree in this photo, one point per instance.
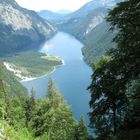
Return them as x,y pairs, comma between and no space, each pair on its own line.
32,98
2,100
131,127
126,17
53,117
81,130
53,94
5,101
109,101
29,107
52,89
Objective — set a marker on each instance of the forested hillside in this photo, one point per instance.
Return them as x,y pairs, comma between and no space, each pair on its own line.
24,117
98,41
10,84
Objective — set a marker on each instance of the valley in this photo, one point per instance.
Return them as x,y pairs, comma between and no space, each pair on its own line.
88,24
72,77
69,73
62,56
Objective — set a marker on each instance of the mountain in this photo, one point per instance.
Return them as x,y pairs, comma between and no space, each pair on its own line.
89,26
90,6
21,29
53,16
48,15
83,25
97,42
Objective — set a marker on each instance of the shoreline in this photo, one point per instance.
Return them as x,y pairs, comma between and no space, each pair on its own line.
17,72
34,78
26,79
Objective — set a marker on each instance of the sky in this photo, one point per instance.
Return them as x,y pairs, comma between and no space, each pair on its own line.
52,5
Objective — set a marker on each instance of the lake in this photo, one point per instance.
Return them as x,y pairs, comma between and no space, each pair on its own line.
72,78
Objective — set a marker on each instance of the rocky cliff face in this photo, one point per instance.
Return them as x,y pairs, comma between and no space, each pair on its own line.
21,29
88,24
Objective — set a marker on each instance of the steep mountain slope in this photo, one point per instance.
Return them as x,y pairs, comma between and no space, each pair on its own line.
21,29
10,83
88,25
97,42
89,9
90,6
83,25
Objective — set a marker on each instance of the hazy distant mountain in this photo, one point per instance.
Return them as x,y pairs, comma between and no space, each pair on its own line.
90,6
88,25
48,15
53,16
21,29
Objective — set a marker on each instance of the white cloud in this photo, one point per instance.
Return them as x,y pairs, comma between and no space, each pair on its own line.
53,5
